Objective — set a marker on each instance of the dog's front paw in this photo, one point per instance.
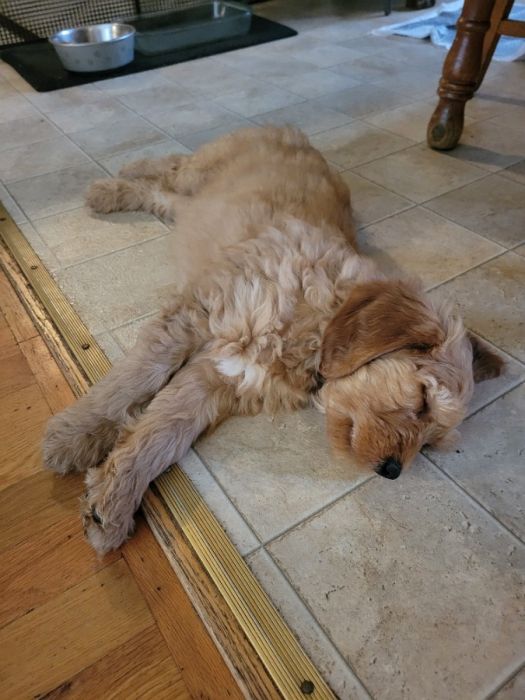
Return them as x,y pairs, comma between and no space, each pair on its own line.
63,448
107,521
73,441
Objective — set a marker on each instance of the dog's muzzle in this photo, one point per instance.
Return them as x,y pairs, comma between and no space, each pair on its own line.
390,468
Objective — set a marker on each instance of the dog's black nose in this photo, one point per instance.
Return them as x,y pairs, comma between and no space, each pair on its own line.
390,468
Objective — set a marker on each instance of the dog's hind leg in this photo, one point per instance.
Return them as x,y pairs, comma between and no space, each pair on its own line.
81,436
194,399
153,167
118,194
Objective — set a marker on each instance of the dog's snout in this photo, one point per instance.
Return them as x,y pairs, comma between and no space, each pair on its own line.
390,468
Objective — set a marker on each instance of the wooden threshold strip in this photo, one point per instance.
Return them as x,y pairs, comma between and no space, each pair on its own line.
265,657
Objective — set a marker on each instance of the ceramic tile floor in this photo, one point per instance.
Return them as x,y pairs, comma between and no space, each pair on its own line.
411,590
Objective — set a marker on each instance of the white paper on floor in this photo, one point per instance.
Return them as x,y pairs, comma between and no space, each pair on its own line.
439,25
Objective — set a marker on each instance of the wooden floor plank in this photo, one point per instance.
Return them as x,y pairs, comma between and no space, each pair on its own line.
72,625
140,669
59,558
23,415
182,629
14,312
34,503
46,647
16,373
50,379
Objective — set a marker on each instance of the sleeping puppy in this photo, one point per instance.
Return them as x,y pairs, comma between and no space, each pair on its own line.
276,308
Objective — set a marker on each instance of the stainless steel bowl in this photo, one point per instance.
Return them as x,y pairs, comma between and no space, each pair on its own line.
95,48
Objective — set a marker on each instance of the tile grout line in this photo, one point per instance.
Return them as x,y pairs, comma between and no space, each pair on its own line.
466,270
325,633
514,674
228,499
317,511
354,168
473,500
69,266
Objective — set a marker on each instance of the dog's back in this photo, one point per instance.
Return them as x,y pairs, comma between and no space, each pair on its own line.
239,186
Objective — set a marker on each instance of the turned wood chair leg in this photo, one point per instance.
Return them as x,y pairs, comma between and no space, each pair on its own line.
461,72
501,11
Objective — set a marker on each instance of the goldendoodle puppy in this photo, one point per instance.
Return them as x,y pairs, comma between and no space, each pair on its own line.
277,308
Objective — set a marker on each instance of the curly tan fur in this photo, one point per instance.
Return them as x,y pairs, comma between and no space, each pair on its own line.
274,296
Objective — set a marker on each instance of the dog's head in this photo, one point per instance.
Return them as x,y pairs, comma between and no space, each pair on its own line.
399,373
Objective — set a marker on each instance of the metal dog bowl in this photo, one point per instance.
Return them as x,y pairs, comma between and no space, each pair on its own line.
95,48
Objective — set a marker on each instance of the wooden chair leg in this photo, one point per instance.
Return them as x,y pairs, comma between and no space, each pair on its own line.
461,71
501,11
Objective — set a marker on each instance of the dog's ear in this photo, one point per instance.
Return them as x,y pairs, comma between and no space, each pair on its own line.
378,317
486,364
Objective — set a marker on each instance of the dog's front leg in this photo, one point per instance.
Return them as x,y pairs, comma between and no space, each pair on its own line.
81,436
192,401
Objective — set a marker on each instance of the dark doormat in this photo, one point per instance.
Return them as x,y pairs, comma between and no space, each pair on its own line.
38,63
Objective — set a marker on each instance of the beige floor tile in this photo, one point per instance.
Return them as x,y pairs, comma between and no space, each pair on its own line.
409,121
38,158
308,116
515,172
357,143
419,242
313,83
276,472
108,291
372,68
520,250
197,116
124,84
61,99
416,83
11,206
324,55
371,202
109,345
483,106
209,76
194,140
22,132
49,194
418,53
370,44
514,689
257,99
236,528
490,145
419,173
117,137
79,235
313,639
510,116
419,588
14,107
492,302
98,112
362,100
488,461
126,335
38,244
268,67
493,207
157,100
158,150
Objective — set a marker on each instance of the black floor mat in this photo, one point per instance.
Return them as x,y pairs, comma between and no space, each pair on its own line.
39,65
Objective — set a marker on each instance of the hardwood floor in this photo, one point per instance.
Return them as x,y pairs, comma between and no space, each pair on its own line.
72,625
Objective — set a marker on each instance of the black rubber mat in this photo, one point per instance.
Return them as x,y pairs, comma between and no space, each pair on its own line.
39,65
